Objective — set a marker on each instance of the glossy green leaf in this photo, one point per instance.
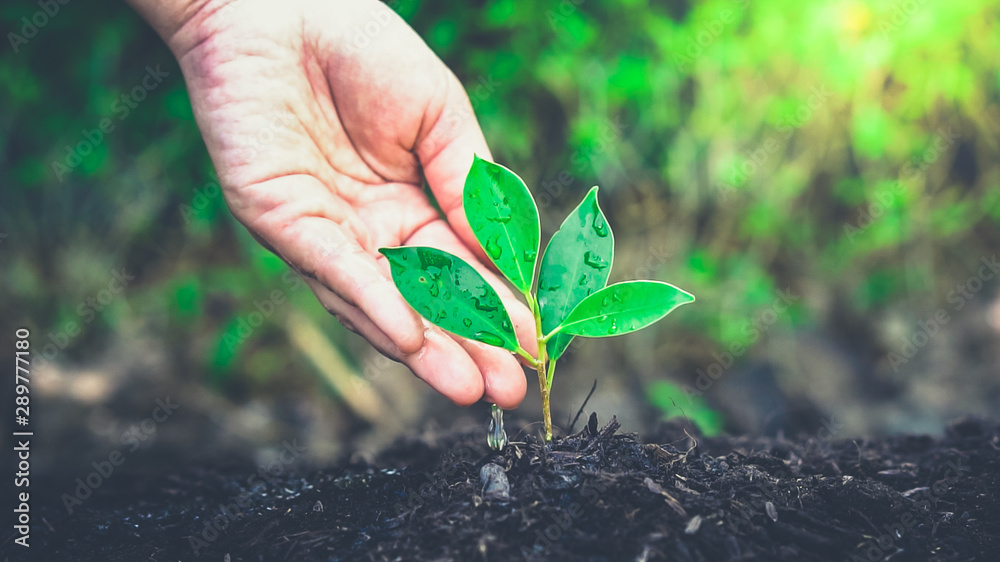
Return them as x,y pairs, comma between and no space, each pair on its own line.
451,294
624,307
504,219
576,263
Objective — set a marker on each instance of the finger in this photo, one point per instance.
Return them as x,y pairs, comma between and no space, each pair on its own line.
437,234
496,365
444,365
441,362
352,318
296,215
446,152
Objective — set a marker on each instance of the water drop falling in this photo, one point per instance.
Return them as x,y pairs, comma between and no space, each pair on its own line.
497,437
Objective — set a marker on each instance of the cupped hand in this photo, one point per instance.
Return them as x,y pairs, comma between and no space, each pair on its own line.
322,120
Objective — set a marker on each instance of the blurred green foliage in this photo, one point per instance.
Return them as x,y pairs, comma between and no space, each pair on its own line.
846,150
670,399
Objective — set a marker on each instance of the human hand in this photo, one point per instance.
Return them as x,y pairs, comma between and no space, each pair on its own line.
360,125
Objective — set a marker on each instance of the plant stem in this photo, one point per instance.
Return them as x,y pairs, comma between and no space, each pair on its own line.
531,360
549,335
540,365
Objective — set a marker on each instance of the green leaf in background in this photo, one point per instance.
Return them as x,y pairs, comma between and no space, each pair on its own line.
504,219
451,294
576,263
624,307
673,402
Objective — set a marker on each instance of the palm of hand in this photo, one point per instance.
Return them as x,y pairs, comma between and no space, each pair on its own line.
320,141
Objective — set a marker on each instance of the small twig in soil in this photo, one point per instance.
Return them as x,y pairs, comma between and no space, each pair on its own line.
582,406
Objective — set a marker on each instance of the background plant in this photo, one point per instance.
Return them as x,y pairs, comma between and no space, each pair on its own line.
571,298
735,142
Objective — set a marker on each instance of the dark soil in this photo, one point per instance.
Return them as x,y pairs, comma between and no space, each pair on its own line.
595,495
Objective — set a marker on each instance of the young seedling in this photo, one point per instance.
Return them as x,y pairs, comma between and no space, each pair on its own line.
571,298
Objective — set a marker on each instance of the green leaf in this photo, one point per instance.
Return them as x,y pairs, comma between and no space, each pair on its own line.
504,219
576,263
451,294
624,307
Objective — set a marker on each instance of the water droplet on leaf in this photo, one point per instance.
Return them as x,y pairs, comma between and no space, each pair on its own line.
466,322
614,327
503,214
582,281
529,255
600,226
489,338
480,305
493,248
595,261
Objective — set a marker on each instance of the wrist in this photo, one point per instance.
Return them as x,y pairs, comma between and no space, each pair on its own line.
178,22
